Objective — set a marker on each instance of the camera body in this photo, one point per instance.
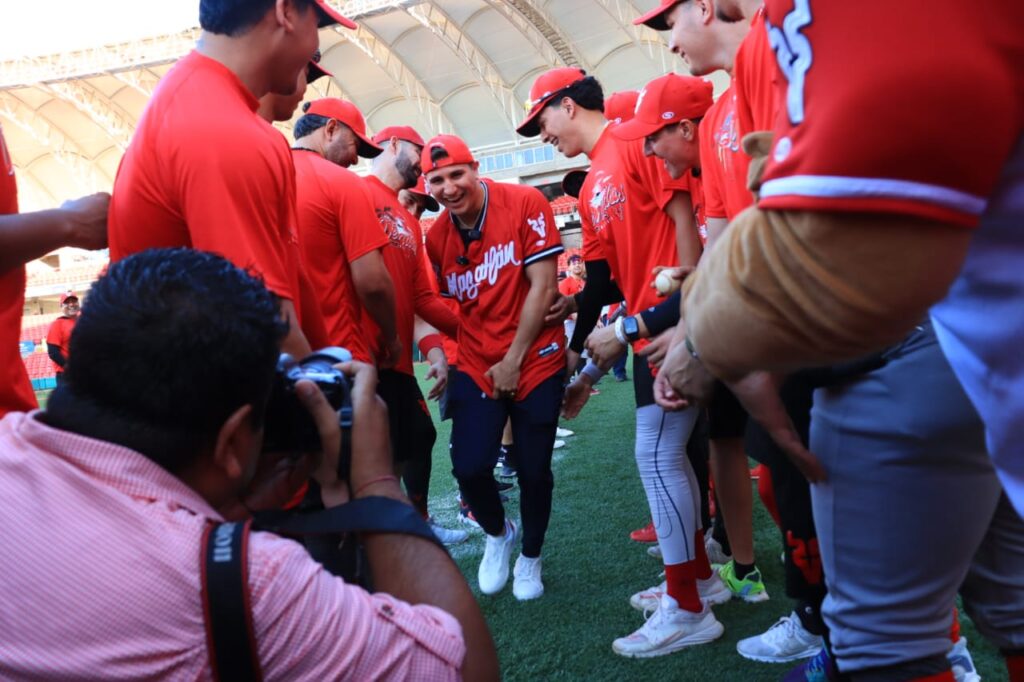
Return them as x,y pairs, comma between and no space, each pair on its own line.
289,427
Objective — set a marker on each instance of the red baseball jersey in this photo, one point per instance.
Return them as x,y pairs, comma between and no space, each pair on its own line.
59,334
723,165
907,107
570,286
622,204
755,80
517,229
336,227
204,171
16,393
404,260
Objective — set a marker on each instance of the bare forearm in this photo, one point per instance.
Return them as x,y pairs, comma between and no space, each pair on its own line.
379,301
295,343
531,320
27,236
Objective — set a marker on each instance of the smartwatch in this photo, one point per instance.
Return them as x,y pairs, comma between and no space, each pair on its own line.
631,328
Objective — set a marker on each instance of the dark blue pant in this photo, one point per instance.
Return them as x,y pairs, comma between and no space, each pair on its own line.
477,423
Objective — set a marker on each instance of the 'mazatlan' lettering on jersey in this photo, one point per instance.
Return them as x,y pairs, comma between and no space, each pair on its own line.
397,231
607,202
465,286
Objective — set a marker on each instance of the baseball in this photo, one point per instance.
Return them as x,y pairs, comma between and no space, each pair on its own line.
665,283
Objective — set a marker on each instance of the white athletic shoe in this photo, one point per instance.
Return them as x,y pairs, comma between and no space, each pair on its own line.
558,444
669,629
449,536
527,583
787,640
962,663
655,551
564,433
711,591
714,550
493,573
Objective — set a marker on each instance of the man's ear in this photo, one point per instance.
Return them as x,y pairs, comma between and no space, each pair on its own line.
233,449
569,105
286,12
689,129
707,10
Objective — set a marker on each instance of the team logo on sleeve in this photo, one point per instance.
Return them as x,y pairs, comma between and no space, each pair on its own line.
465,286
607,202
398,232
539,225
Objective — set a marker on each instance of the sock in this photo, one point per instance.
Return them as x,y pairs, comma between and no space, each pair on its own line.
954,632
810,617
682,585
1015,666
742,570
703,565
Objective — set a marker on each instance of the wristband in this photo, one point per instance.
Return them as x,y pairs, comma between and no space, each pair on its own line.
379,479
690,348
619,333
593,371
429,343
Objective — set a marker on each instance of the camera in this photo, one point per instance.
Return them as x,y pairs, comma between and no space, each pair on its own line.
289,427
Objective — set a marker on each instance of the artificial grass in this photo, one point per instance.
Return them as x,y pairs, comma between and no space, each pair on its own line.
591,567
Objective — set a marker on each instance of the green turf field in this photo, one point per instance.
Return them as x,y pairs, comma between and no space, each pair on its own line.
591,568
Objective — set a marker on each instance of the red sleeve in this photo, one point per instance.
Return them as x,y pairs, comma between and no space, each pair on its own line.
756,75
240,204
361,232
538,231
428,303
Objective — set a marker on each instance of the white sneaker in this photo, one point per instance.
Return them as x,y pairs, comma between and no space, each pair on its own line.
714,550
669,629
493,573
563,433
711,591
558,444
527,583
787,640
449,536
962,663
655,551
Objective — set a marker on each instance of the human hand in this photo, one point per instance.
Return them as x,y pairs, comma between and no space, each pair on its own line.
572,361
562,308
665,397
658,348
576,396
666,280
438,370
504,375
605,347
371,440
87,221
758,392
689,379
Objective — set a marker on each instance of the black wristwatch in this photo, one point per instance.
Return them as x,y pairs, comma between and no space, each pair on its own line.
631,328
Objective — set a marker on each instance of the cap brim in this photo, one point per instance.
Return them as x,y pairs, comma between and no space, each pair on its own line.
573,181
367,149
655,18
315,72
634,129
329,16
530,127
432,204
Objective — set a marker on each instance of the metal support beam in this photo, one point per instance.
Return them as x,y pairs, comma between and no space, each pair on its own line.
536,19
623,13
87,100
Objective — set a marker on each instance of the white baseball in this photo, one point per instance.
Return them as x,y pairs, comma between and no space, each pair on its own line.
665,283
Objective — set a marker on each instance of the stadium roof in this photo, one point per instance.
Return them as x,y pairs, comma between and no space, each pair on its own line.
462,66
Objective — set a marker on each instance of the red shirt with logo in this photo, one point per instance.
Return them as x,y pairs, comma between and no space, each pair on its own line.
723,164
204,171
517,229
16,393
909,107
59,334
337,226
622,204
403,257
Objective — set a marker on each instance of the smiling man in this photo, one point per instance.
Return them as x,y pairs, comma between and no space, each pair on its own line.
495,250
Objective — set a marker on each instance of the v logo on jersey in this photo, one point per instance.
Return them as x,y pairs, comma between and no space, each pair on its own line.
465,286
538,225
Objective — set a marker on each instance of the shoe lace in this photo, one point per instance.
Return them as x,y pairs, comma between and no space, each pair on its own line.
784,629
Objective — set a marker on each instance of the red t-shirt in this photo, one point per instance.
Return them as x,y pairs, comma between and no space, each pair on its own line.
894,107
16,393
723,164
204,171
570,286
336,226
623,220
518,228
59,334
403,257
755,80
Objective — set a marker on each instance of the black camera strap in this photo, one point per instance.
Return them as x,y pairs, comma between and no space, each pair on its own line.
227,611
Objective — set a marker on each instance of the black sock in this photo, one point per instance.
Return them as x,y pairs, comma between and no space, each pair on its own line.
742,570
810,617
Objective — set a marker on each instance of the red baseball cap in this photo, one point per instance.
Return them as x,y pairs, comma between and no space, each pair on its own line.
314,71
65,296
545,88
406,133
328,15
664,101
420,190
656,17
572,183
456,149
620,106
349,114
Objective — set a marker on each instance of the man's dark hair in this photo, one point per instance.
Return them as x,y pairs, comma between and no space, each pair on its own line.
587,93
438,153
308,123
236,17
170,343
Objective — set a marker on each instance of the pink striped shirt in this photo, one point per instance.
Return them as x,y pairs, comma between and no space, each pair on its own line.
99,578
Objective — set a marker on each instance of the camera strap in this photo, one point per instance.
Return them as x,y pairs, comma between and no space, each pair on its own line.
224,570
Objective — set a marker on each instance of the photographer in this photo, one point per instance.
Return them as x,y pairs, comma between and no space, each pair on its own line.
157,433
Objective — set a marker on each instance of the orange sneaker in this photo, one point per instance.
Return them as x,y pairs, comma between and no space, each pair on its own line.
645,534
